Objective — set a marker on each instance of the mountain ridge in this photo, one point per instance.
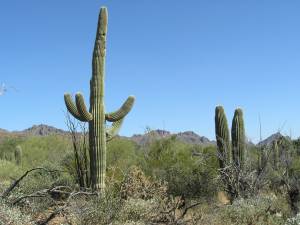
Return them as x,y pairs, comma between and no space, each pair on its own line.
186,136
189,137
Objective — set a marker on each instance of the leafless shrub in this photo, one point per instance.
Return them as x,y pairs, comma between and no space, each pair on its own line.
80,150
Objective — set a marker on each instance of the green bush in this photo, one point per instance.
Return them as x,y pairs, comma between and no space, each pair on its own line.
8,170
7,148
38,150
189,170
121,155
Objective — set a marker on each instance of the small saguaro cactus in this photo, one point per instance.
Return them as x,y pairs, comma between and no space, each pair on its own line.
238,138
222,136
18,155
99,134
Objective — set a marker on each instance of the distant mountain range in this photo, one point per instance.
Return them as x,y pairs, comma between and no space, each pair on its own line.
141,139
36,130
268,141
189,137
42,130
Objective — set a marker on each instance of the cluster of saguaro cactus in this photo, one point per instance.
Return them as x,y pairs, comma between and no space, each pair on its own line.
99,134
237,147
230,154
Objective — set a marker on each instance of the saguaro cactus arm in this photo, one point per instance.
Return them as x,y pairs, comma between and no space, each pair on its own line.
112,131
122,112
77,112
82,108
72,107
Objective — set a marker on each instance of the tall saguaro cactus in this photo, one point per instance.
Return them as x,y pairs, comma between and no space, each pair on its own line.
222,136
238,138
99,134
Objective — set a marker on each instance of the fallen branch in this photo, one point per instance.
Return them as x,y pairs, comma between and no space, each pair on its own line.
38,194
188,208
14,184
45,193
61,209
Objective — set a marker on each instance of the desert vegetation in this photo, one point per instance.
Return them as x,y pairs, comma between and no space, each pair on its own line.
91,176
165,181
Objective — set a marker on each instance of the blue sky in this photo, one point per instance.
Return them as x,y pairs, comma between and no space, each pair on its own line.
179,58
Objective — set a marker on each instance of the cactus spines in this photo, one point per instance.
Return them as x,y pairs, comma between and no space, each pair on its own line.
18,155
222,136
96,116
238,138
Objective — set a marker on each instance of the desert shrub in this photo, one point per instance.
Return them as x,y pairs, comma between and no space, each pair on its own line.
138,186
67,163
145,199
39,181
138,199
95,210
8,170
260,210
189,170
38,150
12,216
7,148
52,175
122,154
136,210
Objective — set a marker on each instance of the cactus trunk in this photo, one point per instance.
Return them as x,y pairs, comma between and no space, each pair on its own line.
238,138
222,136
97,142
96,116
